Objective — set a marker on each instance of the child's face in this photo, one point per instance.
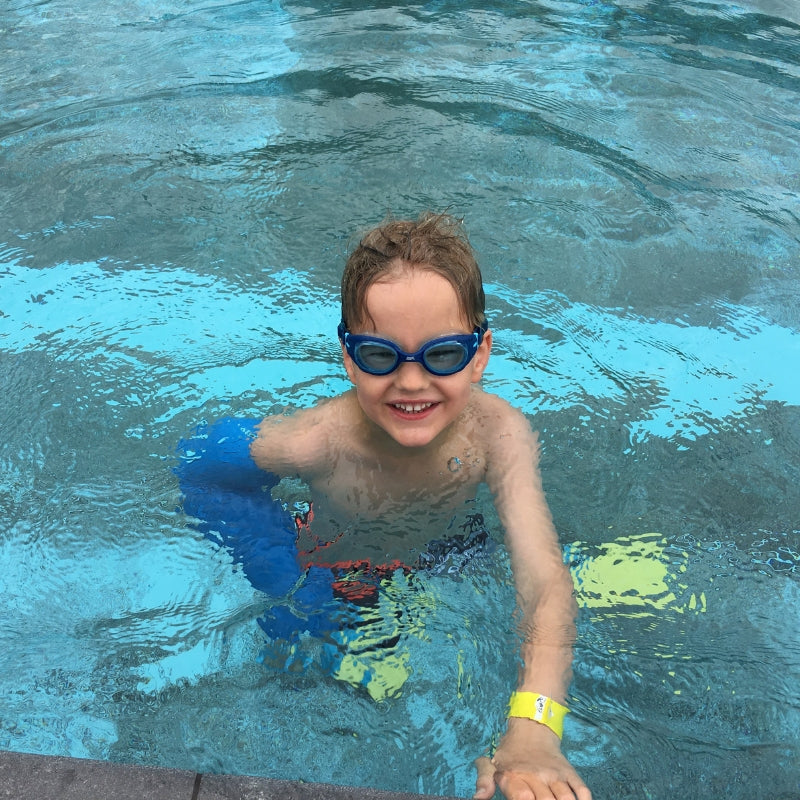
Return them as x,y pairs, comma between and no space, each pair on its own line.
413,406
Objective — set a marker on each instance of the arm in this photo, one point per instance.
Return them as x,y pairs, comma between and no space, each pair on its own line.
298,443
528,763
233,458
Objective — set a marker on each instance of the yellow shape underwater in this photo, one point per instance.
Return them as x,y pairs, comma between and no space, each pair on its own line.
382,676
373,654
631,571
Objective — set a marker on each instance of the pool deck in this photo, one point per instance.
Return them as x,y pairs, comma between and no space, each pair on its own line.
25,776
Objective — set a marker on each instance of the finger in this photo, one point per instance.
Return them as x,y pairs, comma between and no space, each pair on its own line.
484,784
581,790
570,790
562,790
515,787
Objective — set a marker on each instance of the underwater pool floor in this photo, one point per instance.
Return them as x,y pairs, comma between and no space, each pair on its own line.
24,775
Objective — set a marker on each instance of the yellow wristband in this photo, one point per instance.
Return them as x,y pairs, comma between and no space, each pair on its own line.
539,708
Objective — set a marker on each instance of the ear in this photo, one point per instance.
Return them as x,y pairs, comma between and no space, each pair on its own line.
349,365
481,359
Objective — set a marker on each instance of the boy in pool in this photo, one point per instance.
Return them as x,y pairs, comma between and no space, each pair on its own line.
407,447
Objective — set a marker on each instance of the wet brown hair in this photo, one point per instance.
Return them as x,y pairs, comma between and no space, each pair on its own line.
434,242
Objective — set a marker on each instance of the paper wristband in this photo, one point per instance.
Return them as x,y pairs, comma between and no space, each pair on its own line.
539,708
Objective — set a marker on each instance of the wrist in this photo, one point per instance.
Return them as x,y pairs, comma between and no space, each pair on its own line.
530,735
540,709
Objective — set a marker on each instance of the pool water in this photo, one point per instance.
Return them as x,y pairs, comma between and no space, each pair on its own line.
180,184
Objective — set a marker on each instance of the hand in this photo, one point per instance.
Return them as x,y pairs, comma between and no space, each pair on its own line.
529,765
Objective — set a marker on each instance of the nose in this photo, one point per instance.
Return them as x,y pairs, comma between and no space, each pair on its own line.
411,376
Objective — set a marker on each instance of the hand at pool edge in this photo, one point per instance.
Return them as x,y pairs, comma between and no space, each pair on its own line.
528,765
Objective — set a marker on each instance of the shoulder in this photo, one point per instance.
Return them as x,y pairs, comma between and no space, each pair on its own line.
508,441
496,419
299,442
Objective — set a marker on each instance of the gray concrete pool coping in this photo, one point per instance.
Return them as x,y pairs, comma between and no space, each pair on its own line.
25,776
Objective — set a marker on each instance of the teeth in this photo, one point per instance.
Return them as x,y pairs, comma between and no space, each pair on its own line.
413,408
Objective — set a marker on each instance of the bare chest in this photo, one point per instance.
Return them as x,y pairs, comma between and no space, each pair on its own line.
386,511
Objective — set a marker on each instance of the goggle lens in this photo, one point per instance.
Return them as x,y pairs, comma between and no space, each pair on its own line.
446,358
375,358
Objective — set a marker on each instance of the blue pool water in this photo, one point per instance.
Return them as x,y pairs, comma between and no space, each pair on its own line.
180,181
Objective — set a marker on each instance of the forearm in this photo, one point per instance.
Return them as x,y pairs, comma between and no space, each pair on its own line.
546,650
548,633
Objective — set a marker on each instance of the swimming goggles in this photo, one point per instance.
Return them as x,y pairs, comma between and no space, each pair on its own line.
443,356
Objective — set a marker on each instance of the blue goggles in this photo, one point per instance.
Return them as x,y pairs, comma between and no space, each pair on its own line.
443,356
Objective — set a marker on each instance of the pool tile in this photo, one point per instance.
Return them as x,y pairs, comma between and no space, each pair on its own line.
229,787
25,776
33,777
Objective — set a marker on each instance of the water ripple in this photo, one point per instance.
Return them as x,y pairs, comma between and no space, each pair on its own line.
179,179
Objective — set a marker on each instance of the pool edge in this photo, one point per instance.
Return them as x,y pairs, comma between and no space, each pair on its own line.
27,776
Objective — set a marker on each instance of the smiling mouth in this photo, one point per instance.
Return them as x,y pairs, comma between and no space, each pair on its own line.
413,408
